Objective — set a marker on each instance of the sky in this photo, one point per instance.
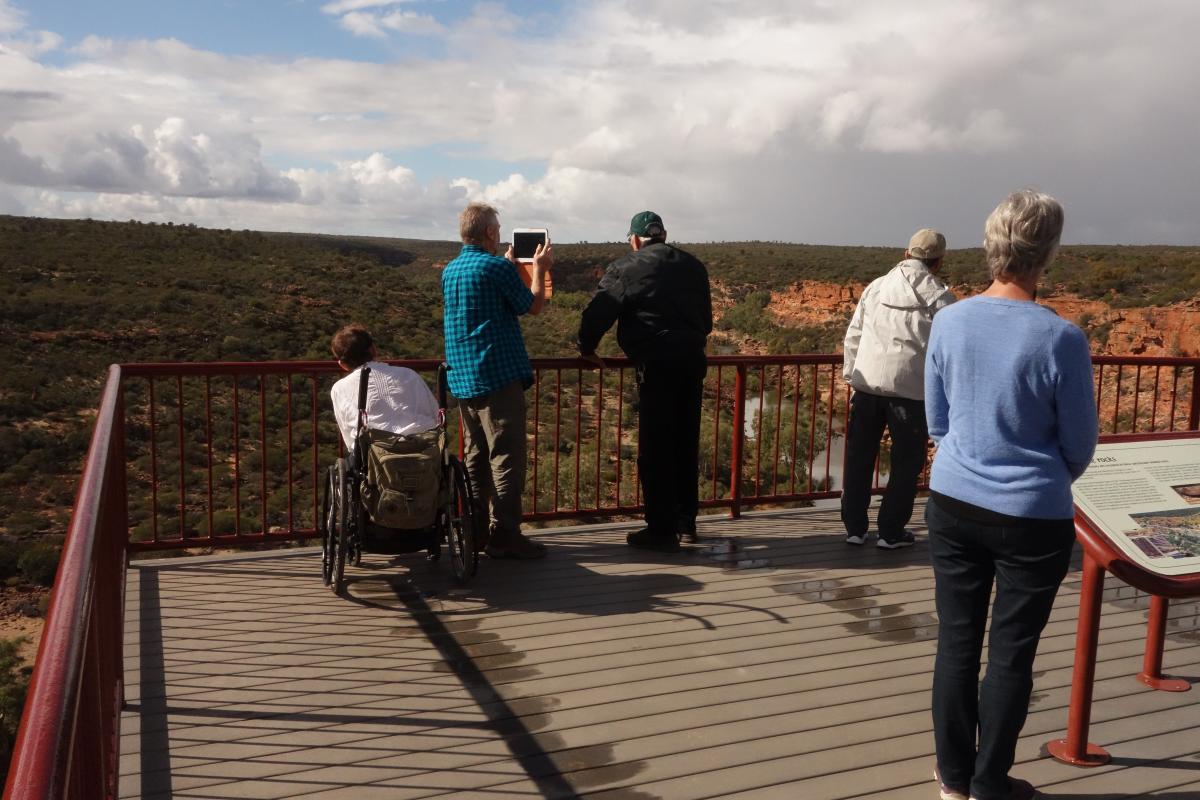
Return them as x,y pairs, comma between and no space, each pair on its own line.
816,121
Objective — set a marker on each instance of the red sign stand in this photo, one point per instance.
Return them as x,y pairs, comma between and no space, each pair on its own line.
1100,555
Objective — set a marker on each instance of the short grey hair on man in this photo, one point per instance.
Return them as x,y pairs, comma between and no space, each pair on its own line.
474,221
1021,235
645,240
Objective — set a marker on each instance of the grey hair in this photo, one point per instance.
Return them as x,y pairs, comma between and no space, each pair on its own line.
474,221
645,240
1021,236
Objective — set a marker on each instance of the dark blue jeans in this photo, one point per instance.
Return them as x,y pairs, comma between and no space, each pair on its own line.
1027,563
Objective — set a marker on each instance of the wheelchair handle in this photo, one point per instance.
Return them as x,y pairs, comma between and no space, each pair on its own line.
443,388
363,378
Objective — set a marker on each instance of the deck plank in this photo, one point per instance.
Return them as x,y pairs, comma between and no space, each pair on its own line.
604,673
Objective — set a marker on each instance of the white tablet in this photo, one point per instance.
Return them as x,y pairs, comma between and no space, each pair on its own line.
525,242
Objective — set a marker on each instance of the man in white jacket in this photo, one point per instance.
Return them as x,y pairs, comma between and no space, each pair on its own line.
885,364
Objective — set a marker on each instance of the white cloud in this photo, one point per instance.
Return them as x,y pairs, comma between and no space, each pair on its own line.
807,121
361,24
11,19
342,6
15,38
412,22
376,24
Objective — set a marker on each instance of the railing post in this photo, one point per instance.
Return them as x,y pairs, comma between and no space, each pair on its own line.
1194,414
739,434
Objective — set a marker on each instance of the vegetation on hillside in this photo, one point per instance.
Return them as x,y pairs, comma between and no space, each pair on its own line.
76,295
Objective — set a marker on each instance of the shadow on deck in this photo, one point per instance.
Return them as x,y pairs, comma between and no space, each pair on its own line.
797,667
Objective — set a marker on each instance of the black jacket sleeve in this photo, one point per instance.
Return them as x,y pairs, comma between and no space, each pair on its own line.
601,311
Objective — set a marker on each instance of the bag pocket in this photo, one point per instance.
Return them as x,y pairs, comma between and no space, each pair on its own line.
402,480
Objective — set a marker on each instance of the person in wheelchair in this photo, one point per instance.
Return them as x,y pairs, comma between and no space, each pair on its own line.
398,401
397,489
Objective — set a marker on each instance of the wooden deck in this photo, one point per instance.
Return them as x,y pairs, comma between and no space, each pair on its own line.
797,667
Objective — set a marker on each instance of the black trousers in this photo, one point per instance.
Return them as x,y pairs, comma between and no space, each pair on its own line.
669,395
1027,562
905,421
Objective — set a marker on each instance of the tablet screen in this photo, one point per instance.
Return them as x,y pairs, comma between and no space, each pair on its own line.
525,243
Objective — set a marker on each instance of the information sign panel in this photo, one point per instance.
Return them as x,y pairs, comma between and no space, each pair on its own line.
1144,497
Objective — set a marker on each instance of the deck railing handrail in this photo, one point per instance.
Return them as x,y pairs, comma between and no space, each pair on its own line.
67,745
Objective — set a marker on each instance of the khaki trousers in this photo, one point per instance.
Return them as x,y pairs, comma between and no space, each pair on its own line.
494,434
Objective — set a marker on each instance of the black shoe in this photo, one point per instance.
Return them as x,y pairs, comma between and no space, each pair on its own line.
903,539
689,536
645,539
515,546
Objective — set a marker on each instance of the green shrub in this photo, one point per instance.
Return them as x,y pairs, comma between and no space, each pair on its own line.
39,562
14,683
24,523
9,554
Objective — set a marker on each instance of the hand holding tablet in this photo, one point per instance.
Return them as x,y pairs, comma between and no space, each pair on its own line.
525,246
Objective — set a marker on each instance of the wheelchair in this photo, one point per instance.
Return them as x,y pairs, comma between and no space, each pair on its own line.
436,489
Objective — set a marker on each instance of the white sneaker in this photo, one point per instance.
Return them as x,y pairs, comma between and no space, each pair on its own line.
856,540
948,792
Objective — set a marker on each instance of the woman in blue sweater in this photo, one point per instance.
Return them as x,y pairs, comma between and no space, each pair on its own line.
1008,394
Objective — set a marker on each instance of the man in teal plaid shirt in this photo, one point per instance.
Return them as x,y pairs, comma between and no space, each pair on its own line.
490,370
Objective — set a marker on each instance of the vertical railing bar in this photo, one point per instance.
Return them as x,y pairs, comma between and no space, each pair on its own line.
1117,404
1194,413
1137,396
578,432
829,419
262,435
778,431
316,455
812,424
717,429
557,431
739,435
237,463
182,460
795,429
1154,398
290,472
599,429
209,438
153,464
620,421
537,419
758,433
1174,396
716,434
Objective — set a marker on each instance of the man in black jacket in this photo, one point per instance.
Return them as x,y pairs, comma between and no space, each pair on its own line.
659,297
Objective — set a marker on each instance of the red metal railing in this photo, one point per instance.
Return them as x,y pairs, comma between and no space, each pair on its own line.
67,745
227,454
171,466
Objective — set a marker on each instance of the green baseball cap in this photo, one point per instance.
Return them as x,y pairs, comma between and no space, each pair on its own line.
646,223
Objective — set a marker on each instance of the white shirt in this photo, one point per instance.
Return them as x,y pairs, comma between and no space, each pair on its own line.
398,401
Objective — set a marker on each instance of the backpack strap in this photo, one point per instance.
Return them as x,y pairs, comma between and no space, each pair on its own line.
364,378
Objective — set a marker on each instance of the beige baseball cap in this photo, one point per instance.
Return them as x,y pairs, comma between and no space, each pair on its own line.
927,244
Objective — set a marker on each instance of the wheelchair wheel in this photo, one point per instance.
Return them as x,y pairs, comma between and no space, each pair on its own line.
355,552
460,523
327,524
340,536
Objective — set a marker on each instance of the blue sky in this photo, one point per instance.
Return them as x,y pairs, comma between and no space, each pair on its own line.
272,28
792,120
